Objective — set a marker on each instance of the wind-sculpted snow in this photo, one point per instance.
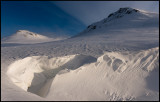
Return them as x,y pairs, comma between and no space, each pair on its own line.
113,60
34,73
115,75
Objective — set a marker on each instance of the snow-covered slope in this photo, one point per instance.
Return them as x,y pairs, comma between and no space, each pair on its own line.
27,37
118,60
125,28
124,18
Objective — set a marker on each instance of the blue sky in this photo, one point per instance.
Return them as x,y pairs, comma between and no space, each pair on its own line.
58,18
41,17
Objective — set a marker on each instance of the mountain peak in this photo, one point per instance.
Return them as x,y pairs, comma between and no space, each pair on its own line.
28,37
126,10
122,11
26,33
121,17
23,31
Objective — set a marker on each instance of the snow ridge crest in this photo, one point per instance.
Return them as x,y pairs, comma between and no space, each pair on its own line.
118,14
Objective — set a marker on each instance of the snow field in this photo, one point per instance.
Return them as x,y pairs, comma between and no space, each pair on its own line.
114,59
87,77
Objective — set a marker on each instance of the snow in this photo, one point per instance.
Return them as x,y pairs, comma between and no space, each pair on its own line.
27,37
117,61
33,73
122,21
100,81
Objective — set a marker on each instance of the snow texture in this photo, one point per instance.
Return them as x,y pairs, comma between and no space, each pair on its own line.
115,59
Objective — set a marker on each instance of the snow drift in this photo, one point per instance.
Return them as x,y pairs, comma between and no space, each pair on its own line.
115,75
33,73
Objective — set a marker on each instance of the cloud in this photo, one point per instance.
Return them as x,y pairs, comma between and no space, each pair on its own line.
91,11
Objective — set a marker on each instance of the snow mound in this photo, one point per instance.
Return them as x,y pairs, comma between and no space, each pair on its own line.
34,73
27,37
120,61
113,76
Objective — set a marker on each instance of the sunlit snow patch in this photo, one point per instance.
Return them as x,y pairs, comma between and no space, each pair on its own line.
35,74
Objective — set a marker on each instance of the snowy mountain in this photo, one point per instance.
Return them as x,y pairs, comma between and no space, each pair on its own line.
125,18
125,28
27,37
115,59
